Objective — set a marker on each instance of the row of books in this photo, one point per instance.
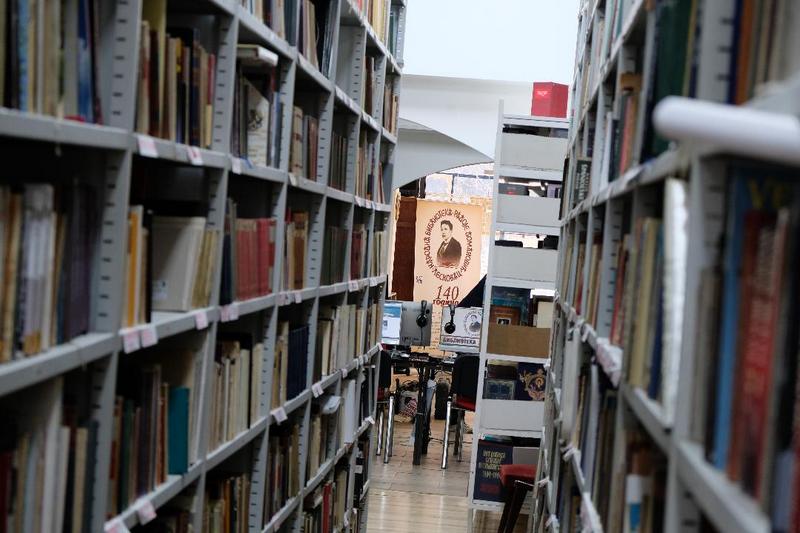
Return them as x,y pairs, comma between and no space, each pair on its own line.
274,13
283,468
378,253
391,106
365,168
303,156
290,367
236,396
333,255
257,108
176,82
227,504
47,458
322,440
746,404
324,509
47,244
338,170
248,256
394,30
177,254
49,62
155,423
369,86
295,251
358,252
175,516
376,12
317,26
344,332
363,460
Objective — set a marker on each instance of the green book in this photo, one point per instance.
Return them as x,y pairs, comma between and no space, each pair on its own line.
178,430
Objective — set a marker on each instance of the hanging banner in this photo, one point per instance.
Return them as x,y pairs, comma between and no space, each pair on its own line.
447,252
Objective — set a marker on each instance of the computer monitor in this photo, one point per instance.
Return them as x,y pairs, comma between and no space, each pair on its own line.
390,332
400,325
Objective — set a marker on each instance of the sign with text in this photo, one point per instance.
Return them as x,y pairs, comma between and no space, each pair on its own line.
491,456
466,337
447,254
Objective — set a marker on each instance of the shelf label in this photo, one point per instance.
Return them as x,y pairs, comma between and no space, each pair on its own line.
352,285
344,373
117,526
292,180
280,415
145,511
201,319
148,335
236,165
585,334
551,521
569,452
316,390
195,156
370,420
298,297
130,340
230,312
373,282
543,482
147,146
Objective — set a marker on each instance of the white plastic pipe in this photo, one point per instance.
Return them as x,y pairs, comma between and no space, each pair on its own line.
728,129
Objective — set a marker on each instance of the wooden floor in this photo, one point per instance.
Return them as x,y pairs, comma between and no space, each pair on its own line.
423,499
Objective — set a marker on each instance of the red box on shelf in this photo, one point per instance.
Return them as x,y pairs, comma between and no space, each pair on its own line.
549,99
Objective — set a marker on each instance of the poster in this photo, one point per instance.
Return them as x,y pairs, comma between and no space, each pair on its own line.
447,253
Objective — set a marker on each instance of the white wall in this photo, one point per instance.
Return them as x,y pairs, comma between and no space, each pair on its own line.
461,108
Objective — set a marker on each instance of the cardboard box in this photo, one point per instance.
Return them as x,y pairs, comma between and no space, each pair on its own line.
549,100
519,340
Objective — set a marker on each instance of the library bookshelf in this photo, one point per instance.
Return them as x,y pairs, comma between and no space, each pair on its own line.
520,285
210,458
649,402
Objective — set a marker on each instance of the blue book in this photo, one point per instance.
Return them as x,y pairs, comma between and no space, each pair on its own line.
85,70
654,384
23,14
178,430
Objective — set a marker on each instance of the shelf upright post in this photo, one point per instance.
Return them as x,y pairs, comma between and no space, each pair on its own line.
228,28
104,383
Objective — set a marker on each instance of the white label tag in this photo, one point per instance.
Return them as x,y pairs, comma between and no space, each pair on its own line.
148,335
201,319
117,526
352,285
130,340
585,332
316,390
298,297
280,415
550,521
230,312
344,373
544,481
370,421
373,282
292,180
236,165
145,511
147,146
195,156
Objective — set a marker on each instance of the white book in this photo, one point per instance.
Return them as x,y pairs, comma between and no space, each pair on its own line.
676,233
61,479
176,248
258,118
255,382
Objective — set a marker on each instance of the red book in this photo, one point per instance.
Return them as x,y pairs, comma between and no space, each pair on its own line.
254,258
263,256
758,349
241,261
273,224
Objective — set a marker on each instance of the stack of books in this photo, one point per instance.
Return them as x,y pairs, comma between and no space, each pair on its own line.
47,243
227,504
333,255
365,167
295,251
338,165
305,145
177,80
283,468
290,367
391,105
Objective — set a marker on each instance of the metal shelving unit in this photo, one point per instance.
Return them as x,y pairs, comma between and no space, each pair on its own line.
520,157
114,147
765,130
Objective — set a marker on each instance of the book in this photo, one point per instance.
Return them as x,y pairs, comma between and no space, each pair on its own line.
177,247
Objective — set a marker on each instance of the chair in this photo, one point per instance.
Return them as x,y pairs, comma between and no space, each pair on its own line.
463,392
518,480
385,407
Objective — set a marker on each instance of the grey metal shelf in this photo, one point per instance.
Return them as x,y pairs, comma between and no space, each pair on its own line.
118,147
20,125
